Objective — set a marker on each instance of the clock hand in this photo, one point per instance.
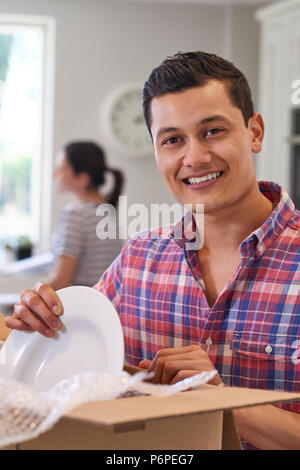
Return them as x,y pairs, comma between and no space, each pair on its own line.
138,120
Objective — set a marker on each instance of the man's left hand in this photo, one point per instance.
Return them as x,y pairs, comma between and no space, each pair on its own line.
175,364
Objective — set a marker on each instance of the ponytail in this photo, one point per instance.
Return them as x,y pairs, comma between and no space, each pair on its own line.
113,196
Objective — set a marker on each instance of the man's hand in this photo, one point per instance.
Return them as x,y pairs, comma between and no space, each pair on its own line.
175,364
37,311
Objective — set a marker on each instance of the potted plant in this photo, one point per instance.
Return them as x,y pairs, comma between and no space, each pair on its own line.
8,253
24,247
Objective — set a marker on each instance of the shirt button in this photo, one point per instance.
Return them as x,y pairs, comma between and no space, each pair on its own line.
268,349
260,249
208,341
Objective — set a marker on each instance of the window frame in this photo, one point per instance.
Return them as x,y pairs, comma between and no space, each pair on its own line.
44,169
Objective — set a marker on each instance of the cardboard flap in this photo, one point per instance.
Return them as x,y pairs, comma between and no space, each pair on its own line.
230,436
132,369
146,408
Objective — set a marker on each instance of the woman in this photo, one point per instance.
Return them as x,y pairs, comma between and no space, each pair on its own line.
81,256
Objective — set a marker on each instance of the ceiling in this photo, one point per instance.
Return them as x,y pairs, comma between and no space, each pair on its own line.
205,2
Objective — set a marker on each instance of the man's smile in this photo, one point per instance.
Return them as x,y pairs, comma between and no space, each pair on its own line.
202,180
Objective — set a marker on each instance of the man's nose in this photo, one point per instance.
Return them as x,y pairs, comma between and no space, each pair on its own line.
196,153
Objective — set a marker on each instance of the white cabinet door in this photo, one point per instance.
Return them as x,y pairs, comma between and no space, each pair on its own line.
279,67
272,102
293,56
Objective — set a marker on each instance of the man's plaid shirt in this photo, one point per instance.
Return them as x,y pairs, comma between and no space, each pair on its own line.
251,334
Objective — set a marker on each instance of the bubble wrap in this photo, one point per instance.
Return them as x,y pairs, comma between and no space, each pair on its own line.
26,413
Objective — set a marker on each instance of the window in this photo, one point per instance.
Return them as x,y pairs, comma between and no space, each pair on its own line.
26,96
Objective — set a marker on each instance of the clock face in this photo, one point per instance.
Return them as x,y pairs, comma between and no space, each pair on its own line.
127,123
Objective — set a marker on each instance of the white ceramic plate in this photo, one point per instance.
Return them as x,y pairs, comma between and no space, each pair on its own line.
91,340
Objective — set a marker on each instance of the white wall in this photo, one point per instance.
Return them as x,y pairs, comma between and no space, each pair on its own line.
102,44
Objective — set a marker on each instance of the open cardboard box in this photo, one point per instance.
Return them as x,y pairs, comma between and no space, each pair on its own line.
4,331
197,419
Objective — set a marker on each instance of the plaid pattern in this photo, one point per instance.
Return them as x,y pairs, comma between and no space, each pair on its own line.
254,326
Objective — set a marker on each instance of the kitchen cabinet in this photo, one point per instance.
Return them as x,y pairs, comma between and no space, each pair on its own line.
279,71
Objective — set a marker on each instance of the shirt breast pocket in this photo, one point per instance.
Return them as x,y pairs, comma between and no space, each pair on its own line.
264,361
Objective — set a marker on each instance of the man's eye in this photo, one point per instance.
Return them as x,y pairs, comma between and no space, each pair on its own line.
171,140
213,131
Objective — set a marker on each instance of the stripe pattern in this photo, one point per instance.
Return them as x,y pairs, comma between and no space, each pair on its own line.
76,236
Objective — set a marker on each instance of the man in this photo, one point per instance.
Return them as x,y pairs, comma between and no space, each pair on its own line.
232,305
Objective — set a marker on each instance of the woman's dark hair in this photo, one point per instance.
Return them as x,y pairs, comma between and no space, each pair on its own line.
192,69
89,157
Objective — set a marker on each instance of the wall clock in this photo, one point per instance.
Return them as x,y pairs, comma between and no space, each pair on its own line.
123,121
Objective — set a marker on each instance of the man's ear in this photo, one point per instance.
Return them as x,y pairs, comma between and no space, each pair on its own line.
257,128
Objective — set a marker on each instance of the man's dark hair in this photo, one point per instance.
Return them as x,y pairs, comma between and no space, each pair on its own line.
192,69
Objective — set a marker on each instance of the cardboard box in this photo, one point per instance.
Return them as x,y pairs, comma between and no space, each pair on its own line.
4,331
196,419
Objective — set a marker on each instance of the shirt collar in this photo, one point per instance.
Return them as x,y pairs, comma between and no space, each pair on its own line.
185,231
283,209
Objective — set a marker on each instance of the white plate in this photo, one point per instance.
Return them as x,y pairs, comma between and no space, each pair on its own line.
91,340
